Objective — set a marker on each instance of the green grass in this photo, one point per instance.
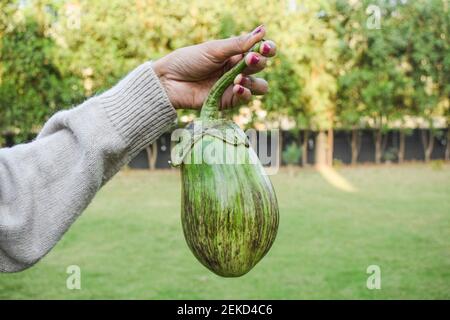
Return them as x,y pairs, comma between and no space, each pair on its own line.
129,242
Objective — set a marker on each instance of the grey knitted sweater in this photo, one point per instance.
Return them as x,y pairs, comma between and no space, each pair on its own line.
46,184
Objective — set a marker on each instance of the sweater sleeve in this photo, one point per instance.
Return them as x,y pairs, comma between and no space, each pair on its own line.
47,183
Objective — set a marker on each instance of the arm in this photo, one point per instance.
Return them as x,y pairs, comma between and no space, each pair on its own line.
46,184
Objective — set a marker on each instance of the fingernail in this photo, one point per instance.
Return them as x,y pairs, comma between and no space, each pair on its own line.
258,30
266,48
243,80
240,90
254,59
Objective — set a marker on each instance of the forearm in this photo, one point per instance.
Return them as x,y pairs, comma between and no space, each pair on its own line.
46,184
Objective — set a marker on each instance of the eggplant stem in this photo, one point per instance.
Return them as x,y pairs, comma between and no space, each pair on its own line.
210,108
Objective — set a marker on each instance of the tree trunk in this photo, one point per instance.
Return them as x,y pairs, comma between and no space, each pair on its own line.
321,149
379,145
304,145
401,146
427,143
447,150
355,144
152,154
330,145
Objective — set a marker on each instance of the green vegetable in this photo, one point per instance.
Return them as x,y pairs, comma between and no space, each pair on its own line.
229,208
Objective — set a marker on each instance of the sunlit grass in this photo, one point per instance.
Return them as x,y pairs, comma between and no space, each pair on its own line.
129,242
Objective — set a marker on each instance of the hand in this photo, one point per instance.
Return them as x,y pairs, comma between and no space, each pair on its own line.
188,73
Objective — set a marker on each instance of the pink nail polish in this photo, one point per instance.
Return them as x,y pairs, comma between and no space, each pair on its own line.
240,90
254,59
258,30
243,80
266,48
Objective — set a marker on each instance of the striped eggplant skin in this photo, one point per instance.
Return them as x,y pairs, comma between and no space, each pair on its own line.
229,211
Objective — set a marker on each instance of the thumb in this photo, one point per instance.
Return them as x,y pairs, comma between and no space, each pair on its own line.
241,44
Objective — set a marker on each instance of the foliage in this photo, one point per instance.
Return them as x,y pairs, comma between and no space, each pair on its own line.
305,35
332,67
32,87
371,83
292,154
397,70
390,155
284,95
427,53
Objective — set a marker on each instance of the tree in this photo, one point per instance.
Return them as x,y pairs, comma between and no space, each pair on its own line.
32,88
291,156
350,110
306,37
426,26
317,60
372,83
283,98
334,67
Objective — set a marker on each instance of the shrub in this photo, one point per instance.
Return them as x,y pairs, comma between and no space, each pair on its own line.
292,154
390,155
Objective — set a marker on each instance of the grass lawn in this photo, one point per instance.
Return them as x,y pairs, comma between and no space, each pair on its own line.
129,242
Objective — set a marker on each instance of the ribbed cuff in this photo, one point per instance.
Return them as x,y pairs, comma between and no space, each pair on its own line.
139,108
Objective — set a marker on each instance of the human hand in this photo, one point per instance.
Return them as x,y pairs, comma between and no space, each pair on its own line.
188,74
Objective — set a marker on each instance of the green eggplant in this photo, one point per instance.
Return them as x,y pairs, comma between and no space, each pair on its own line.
229,209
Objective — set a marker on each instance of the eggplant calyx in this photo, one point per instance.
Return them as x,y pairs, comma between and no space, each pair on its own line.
225,130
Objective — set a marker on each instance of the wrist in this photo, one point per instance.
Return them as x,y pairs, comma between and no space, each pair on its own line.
158,68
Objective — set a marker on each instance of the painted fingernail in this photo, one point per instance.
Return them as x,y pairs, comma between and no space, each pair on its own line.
243,80
266,48
254,59
240,90
258,30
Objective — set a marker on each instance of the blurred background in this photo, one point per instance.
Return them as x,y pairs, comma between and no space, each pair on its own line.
360,92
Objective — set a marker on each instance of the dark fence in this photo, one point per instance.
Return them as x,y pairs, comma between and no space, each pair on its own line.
414,150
